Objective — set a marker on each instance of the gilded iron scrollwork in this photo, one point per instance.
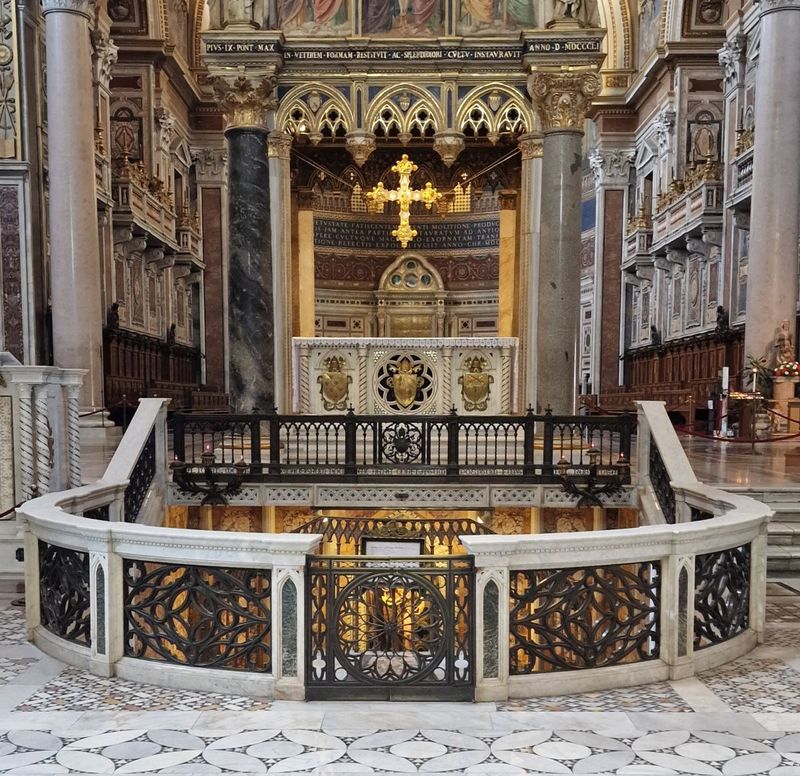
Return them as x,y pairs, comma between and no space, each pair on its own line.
566,619
64,592
198,615
721,595
390,624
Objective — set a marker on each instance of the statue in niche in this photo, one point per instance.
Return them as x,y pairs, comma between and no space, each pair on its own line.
112,322
584,12
171,336
655,336
784,345
723,320
239,13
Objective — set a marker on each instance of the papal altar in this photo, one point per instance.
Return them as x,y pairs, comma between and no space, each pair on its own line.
427,375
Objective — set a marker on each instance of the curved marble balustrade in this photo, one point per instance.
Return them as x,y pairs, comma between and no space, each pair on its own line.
586,611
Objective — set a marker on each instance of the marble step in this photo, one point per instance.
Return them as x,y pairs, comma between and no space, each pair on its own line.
783,557
782,533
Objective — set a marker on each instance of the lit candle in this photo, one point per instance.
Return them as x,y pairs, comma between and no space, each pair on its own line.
755,372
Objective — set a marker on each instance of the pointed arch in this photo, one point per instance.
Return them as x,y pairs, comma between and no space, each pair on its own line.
494,109
325,110
393,98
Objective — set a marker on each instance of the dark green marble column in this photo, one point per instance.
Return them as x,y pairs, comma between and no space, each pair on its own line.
251,315
251,325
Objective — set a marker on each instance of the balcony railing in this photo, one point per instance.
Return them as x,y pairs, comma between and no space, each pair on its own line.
525,448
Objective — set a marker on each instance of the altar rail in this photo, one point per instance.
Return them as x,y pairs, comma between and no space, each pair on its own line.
554,613
373,447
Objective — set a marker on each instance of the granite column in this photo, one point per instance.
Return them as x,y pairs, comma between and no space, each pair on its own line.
74,251
772,282
251,321
530,146
562,99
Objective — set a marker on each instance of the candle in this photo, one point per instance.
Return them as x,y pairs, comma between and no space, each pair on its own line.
755,372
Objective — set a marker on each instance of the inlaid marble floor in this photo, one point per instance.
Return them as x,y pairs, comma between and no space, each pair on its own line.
739,720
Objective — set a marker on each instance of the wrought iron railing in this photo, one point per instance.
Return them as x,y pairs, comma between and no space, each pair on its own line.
64,593
203,616
660,480
141,477
344,535
721,595
449,447
567,619
390,628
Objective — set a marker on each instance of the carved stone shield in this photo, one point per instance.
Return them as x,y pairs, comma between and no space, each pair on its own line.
475,390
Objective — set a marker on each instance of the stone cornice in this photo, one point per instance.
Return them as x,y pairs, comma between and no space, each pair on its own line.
562,98
81,7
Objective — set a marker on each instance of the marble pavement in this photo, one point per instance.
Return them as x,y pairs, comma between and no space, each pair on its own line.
738,720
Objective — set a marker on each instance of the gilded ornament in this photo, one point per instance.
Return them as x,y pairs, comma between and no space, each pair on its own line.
404,382
334,384
563,98
475,385
404,195
245,103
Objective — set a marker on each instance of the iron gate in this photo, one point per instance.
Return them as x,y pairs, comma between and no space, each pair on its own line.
390,628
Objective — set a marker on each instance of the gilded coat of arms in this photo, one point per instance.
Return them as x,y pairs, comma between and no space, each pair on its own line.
334,384
475,385
405,381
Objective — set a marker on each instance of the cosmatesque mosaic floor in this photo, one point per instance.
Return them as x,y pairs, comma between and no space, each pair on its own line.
735,721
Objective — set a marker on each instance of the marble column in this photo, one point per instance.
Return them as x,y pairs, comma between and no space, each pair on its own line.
279,148
507,313
74,252
561,98
306,300
610,167
774,220
530,146
251,322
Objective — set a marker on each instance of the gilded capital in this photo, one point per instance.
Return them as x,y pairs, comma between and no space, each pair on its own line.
81,7
246,103
530,146
279,145
562,98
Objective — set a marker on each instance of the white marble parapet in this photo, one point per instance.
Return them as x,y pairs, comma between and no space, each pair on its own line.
476,375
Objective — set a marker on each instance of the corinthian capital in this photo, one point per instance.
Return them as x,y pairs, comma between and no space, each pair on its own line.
563,98
530,146
246,103
81,7
279,145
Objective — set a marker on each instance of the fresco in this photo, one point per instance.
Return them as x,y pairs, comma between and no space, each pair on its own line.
313,17
402,17
649,27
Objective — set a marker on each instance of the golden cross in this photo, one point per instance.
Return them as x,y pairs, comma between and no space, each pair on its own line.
405,195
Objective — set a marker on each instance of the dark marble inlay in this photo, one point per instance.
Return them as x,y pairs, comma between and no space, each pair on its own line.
11,274
250,304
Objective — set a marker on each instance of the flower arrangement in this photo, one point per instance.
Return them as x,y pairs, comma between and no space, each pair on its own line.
787,369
